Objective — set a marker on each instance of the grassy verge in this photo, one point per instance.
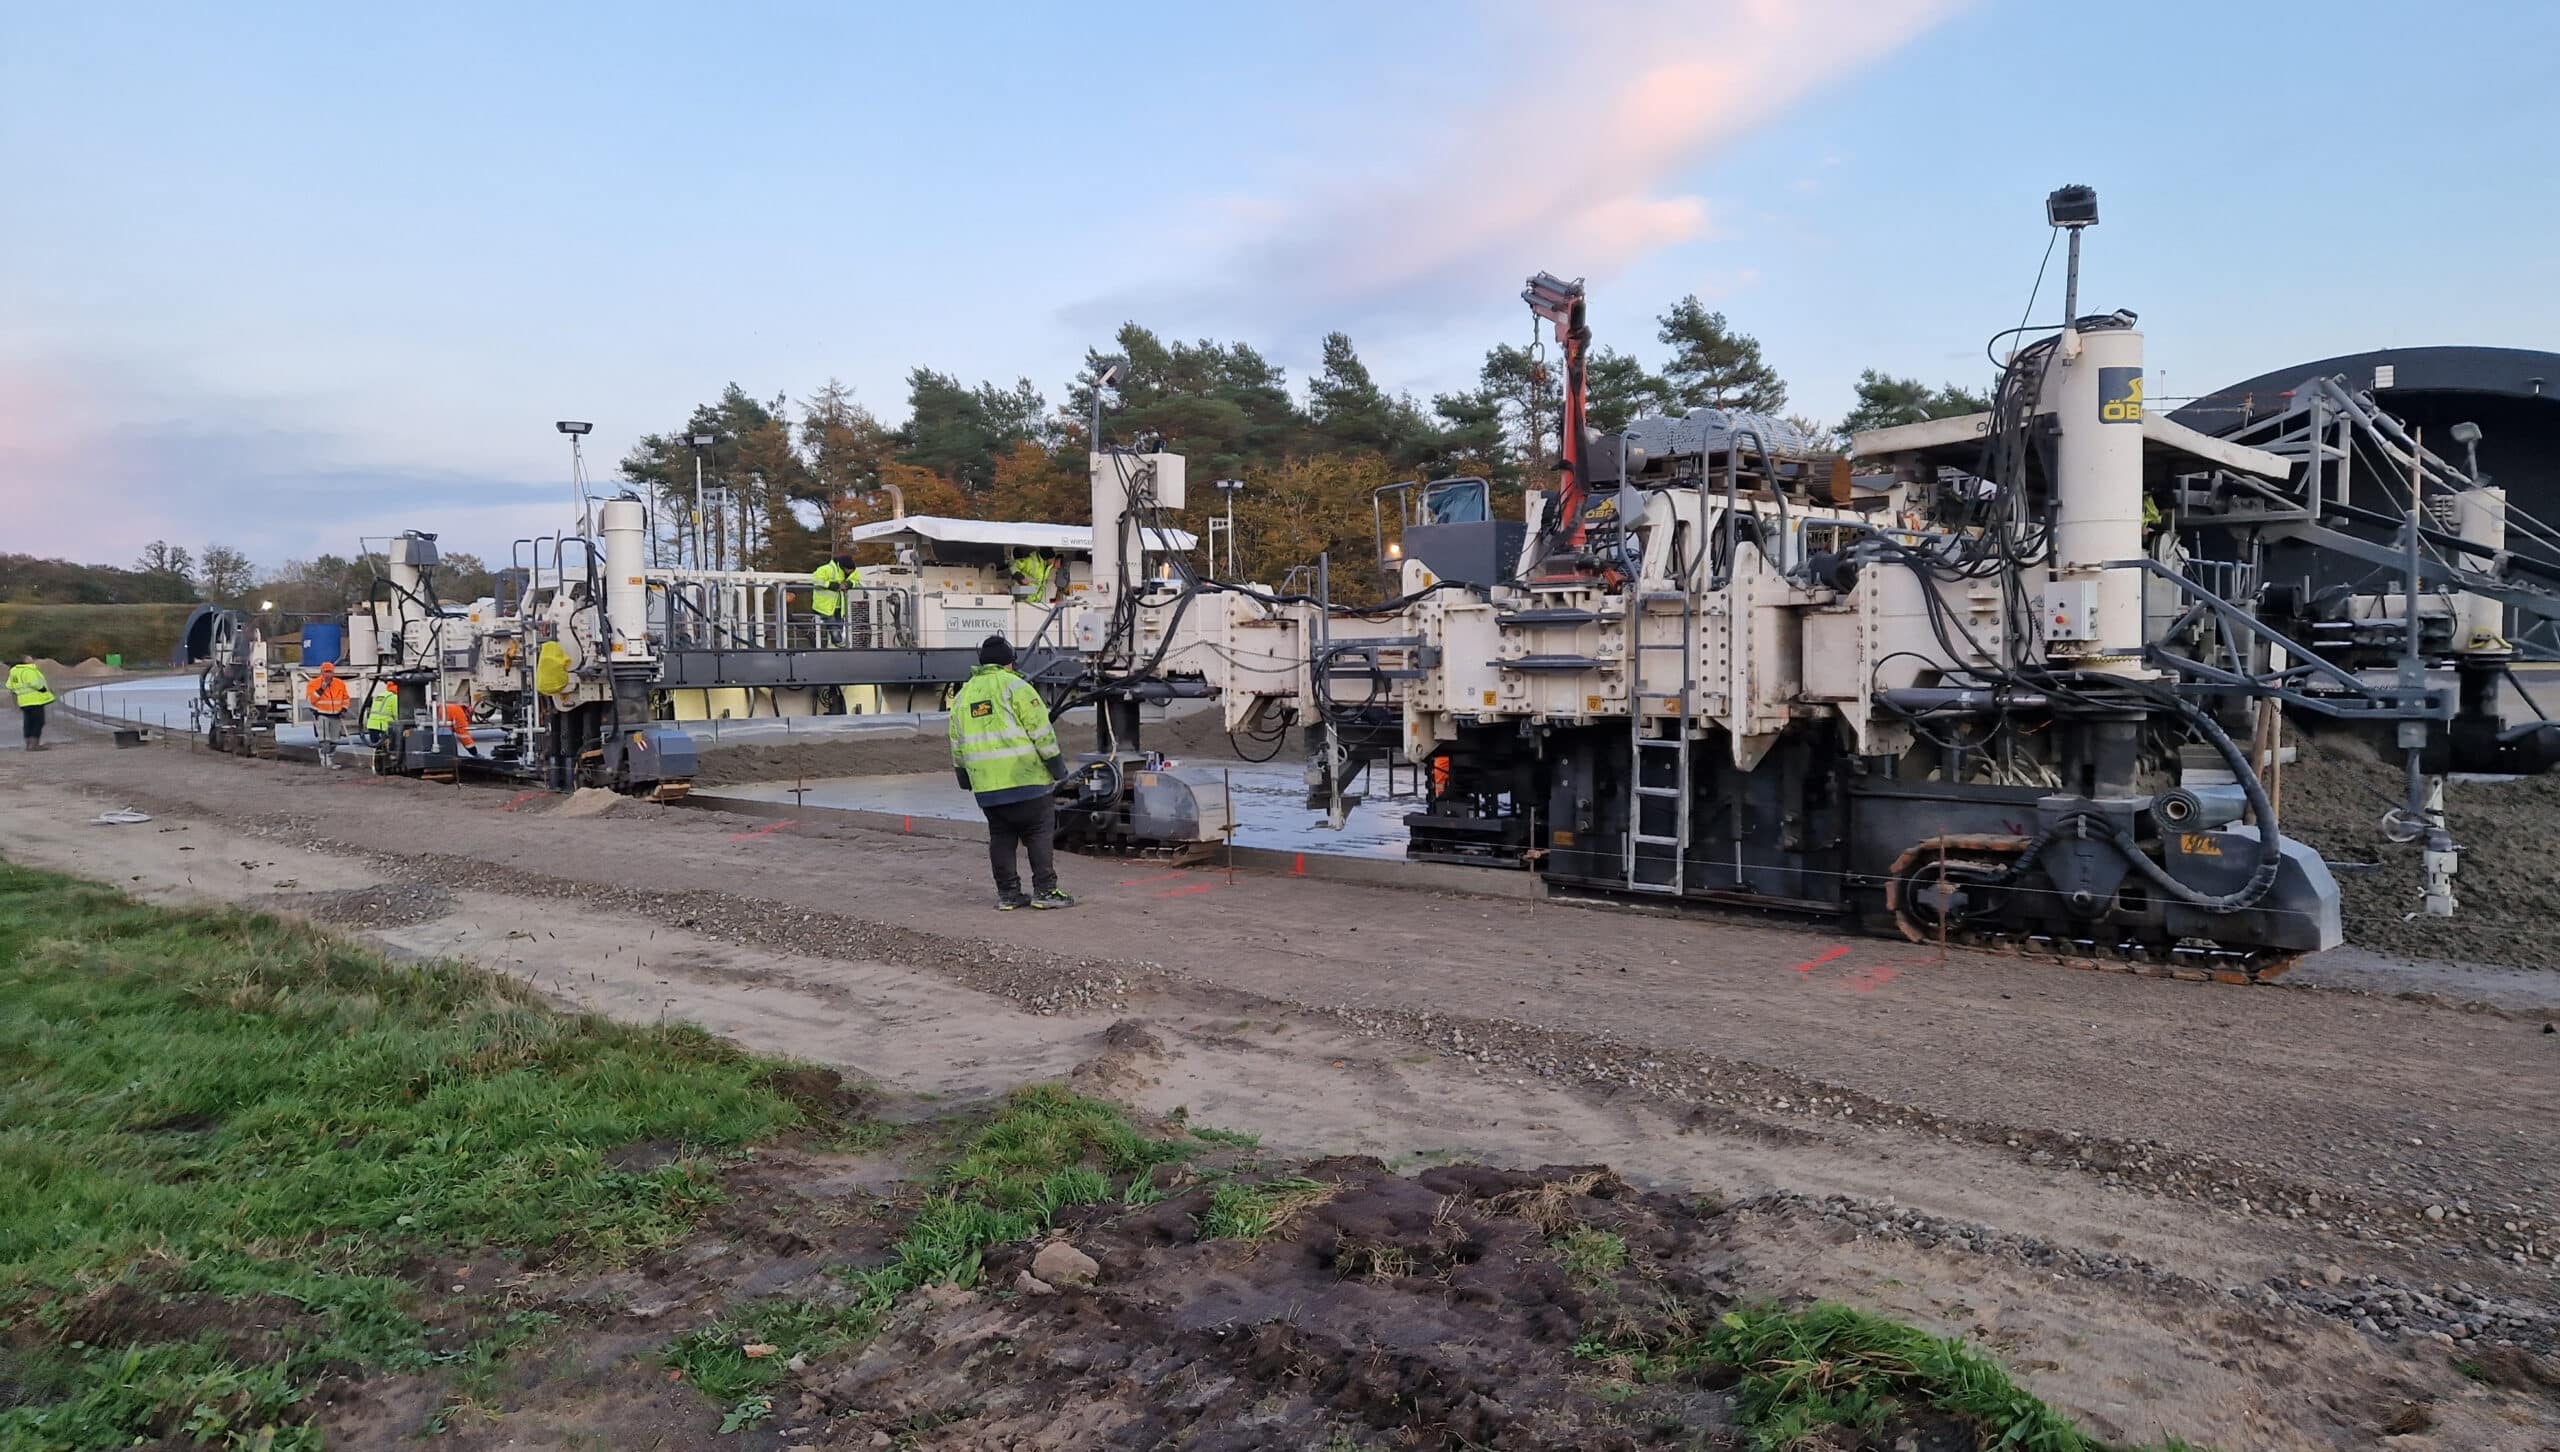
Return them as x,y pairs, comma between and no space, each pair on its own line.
1805,1373
232,1143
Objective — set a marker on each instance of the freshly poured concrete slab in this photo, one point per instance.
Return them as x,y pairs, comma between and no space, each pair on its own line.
1269,798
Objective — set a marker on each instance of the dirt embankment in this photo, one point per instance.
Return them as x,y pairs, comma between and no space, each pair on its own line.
2335,795
1195,736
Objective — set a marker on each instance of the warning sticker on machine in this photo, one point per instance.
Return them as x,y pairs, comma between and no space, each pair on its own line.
2120,395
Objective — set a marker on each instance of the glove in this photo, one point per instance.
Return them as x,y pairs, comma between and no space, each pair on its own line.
962,772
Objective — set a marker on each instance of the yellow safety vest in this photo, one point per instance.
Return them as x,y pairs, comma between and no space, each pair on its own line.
29,686
829,579
1001,735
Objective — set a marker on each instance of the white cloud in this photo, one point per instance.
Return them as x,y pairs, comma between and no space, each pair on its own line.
96,459
1577,170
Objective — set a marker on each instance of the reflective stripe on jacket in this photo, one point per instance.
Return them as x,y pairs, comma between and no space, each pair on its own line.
829,578
29,685
383,709
1001,736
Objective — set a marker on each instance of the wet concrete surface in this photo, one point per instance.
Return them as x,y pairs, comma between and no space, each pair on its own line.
1269,799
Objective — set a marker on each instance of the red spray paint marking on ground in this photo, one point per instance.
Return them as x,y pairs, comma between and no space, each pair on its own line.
1812,963
1171,874
761,831
520,799
1188,891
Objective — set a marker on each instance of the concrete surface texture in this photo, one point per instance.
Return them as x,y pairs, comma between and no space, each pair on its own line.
2254,1217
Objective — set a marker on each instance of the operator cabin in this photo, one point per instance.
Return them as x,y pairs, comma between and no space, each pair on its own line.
913,624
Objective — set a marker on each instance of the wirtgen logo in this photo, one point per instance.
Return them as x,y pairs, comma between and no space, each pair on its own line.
2120,395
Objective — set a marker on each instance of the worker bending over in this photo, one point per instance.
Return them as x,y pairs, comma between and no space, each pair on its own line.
1032,576
458,716
830,580
27,683
328,697
1006,751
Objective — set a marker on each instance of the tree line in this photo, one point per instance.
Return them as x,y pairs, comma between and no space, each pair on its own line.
782,477
170,574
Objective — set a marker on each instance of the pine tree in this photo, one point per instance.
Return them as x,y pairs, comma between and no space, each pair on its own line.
1712,366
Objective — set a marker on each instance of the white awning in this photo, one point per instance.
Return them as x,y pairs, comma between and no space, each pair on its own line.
1956,442
1073,539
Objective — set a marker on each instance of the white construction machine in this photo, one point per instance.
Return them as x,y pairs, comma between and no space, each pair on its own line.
1959,685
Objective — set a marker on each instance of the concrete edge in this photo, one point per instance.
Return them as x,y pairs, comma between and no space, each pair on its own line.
1261,861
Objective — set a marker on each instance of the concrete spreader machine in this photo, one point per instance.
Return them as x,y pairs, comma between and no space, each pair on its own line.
1967,683
2017,679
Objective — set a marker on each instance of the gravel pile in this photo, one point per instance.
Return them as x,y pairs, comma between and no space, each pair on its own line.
2453,1315
2508,884
1772,1104
392,905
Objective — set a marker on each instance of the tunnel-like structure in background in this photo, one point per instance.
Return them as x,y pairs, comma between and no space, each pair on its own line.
2513,394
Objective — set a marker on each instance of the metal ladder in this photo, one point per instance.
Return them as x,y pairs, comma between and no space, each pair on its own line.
1646,749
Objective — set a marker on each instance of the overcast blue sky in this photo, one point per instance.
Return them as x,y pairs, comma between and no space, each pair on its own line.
279,275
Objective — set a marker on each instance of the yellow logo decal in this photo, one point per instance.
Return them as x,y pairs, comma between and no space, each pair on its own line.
2120,395
2200,844
982,708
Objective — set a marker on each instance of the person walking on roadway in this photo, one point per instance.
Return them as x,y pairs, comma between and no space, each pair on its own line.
826,599
328,697
27,683
1004,749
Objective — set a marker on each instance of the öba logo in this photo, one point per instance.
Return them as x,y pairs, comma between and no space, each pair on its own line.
982,708
2120,395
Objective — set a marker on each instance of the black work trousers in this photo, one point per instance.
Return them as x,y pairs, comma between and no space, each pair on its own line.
1032,826
31,723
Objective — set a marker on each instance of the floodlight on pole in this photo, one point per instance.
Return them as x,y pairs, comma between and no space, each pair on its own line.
699,443
577,433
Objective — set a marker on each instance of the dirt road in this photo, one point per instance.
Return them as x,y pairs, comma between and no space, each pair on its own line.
2254,1217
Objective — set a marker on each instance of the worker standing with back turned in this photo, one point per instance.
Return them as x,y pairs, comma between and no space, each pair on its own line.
1006,751
28,684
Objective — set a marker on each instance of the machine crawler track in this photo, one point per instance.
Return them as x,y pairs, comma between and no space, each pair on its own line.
1946,867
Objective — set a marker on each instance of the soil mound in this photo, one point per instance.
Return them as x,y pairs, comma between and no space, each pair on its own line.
2508,886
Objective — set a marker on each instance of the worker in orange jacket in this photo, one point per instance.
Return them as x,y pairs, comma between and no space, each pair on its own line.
328,697
457,716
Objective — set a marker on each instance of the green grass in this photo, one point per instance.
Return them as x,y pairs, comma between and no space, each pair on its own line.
1238,1211
145,635
1592,1255
1832,1366
1044,1152
209,1106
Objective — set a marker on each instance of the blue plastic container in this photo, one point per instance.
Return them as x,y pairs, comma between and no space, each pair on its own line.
325,642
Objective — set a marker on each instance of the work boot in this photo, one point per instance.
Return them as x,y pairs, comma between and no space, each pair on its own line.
1053,898
1007,901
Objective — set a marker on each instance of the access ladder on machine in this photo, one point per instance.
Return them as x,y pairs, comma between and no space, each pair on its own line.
1657,765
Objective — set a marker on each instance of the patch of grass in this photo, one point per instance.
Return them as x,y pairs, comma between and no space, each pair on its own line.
205,1107
1592,1255
1830,1366
1238,1211
714,1358
1210,1134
